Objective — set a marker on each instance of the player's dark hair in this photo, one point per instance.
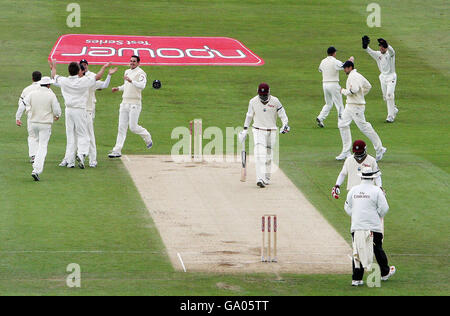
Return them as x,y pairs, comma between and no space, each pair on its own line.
74,68
36,75
137,58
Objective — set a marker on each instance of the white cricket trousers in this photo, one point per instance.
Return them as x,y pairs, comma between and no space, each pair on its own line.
32,141
264,152
91,135
129,117
388,84
353,112
41,132
76,133
332,95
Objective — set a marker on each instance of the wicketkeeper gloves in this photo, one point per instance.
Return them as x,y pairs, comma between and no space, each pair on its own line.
365,41
335,191
382,42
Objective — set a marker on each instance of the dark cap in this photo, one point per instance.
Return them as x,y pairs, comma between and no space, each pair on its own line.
331,50
348,63
84,61
263,89
359,146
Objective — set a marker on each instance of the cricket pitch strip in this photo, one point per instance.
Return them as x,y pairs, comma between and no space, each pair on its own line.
209,221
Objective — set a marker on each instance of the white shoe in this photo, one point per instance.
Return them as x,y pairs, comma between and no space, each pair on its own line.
389,119
63,163
319,122
392,271
380,154
395,111
80,160
93,164
70,165
343,155
357,282
114,155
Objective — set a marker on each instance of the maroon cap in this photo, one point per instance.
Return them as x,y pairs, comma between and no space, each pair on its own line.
263,89
359,146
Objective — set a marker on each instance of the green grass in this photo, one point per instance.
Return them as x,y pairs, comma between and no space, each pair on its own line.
72,211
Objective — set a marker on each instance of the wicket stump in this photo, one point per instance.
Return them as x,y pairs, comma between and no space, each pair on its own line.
269,254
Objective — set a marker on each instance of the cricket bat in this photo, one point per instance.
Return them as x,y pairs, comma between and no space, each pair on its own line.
244,165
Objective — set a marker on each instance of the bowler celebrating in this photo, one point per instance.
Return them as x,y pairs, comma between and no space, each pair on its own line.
135,80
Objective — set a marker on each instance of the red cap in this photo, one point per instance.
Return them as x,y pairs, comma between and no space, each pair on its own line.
359,146
263,89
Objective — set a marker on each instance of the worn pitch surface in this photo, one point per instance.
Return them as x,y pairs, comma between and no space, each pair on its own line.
209,221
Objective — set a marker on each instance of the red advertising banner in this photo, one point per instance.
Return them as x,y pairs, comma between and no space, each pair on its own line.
153,50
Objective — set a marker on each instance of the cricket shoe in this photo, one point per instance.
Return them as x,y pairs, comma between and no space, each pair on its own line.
70,165
114,155
343,155
357,282
389,119
149,145
32,159
93,164
380,153
395,111
319,122
392,271
261,184
63,163
80,160
35,176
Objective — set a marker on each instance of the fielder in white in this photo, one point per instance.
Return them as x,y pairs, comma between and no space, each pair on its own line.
135,80
263,109
356,88
385,59
32,141
353,166
75,90
44,109
90,108
330,67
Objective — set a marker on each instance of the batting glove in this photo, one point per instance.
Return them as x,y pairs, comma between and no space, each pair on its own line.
335,191
285,129
242,135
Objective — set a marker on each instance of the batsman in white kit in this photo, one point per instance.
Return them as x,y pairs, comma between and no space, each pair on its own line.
32,141
263,109
330,67
44,109
135,80
353,166
356,88
385,59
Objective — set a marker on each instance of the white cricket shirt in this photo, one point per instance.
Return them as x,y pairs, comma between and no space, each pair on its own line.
329,67
385,62
356,88
43,105
265,115
75,90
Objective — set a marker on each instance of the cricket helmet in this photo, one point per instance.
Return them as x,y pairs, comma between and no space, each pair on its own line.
359,148
264,91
